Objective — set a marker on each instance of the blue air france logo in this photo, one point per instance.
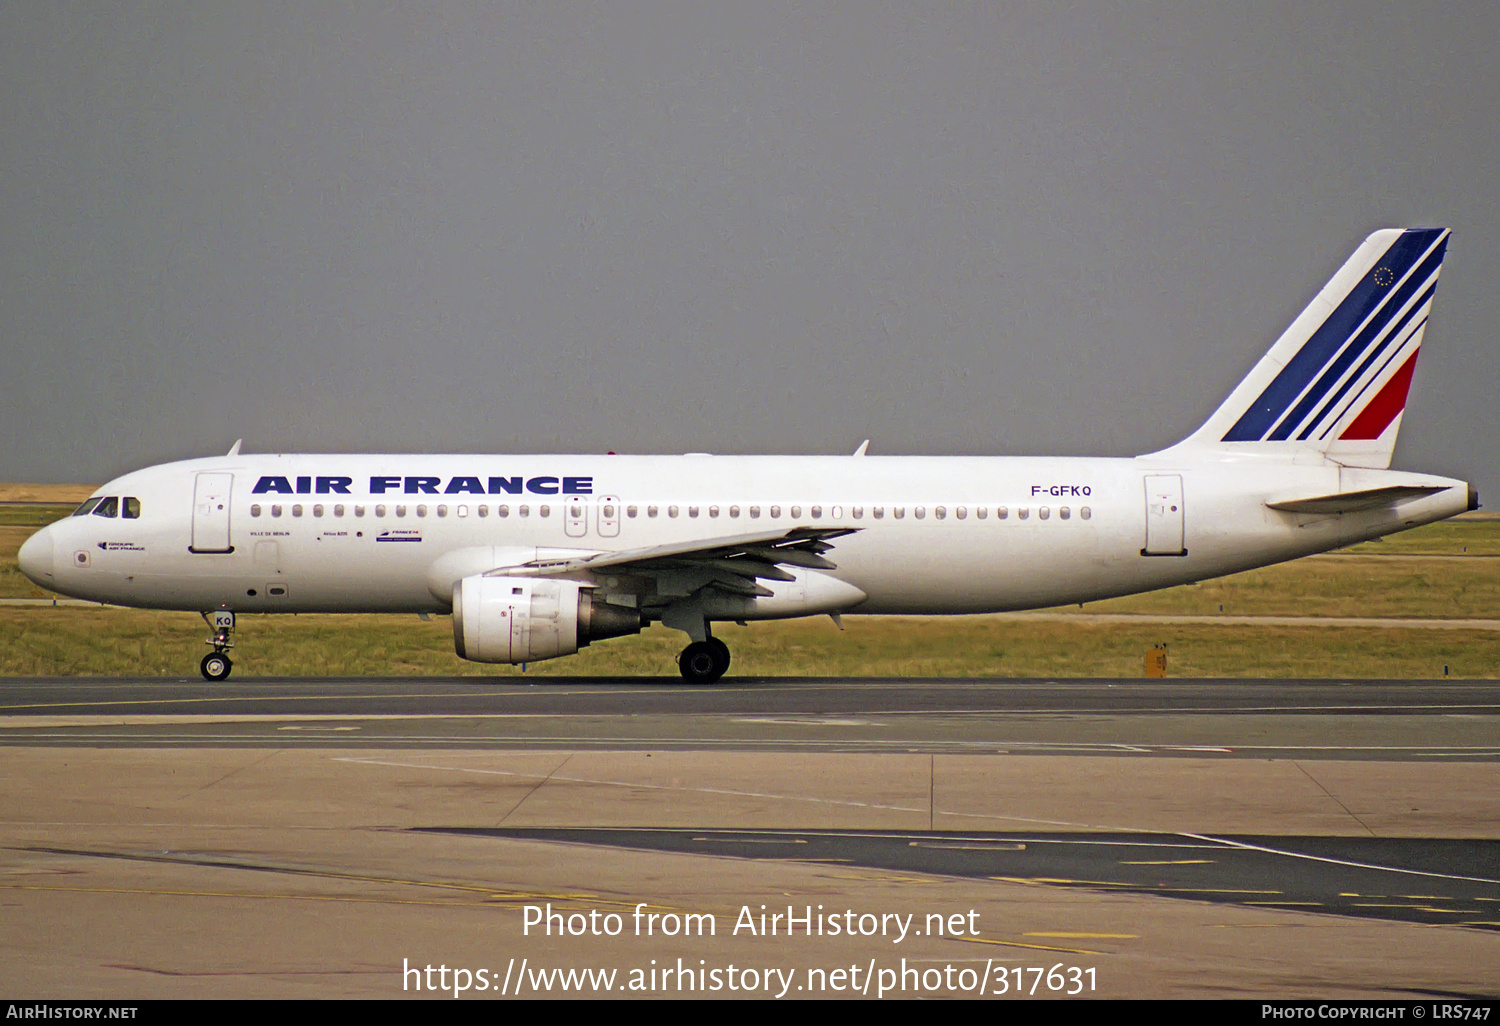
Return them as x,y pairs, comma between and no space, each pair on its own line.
421,484
1377,325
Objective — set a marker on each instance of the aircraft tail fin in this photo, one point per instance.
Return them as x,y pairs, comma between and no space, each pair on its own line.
1335,383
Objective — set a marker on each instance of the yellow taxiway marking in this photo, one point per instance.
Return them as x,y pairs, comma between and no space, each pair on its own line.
1172,862
1085,936
1029,947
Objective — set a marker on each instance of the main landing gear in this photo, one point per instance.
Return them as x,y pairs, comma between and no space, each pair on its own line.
704,662
216,665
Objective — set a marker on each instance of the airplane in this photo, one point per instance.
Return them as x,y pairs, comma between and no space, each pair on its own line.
537,556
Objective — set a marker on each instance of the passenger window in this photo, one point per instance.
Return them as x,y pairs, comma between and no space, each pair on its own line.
671,511
318,509
1044,512
484,511
796,512
88,506
1022,513
422,509
754,512
713,511
545,510
692,511
632,512
817,512
775,512
1085,512
442,511
858,511
981,512
920,512
297,510
380,510
523,511
132,508
109,507
1063,512
961,512
878,512
1001,513
338,510
275,511
941,512
734,511
255,510
898,512
502,510
651,511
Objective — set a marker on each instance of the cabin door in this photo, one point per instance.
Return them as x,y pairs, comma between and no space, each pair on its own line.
1164,532
211,513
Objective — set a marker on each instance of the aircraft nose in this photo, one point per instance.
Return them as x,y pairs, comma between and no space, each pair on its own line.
36,558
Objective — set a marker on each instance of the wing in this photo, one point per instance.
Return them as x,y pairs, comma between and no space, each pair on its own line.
734,564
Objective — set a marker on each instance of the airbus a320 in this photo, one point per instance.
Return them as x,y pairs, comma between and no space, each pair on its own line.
538,556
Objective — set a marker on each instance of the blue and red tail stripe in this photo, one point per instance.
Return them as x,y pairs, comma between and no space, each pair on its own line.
1384,310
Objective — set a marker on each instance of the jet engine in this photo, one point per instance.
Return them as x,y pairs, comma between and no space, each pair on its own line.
524,619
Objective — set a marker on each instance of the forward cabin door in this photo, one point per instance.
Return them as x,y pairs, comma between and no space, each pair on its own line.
1164,533
211,512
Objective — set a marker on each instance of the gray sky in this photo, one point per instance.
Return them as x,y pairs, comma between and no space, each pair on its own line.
768,227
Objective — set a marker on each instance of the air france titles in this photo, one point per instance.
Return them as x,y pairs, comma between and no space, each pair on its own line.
421,484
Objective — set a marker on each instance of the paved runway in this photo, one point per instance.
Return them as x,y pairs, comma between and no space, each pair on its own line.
1155,838
1385,720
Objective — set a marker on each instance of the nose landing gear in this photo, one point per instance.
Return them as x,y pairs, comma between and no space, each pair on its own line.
216,665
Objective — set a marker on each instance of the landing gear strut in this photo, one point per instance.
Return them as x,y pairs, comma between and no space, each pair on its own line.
704,662
216,665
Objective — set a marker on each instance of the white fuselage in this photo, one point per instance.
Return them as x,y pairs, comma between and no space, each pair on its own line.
936,535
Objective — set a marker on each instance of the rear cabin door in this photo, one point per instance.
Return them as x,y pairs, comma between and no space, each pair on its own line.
211,512
1164,533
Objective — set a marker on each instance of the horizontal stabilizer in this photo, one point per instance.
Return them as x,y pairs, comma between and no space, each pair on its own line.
1351,502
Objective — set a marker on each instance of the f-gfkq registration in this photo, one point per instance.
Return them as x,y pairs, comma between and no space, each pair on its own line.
538,556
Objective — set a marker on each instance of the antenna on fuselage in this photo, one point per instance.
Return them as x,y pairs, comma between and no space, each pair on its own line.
234,450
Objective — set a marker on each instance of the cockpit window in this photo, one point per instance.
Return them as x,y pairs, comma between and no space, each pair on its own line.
132,508
109,507
88,506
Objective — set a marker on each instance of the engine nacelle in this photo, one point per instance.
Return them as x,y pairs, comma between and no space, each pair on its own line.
525,619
